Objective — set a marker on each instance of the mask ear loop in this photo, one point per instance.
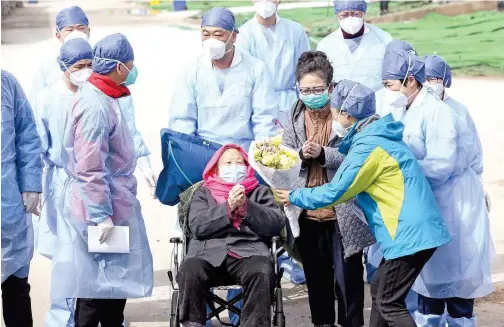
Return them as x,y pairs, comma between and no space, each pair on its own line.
444,74
349,93
407,71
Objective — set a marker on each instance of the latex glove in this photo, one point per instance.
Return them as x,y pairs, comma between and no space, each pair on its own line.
30,201
106,228
151,179
144,164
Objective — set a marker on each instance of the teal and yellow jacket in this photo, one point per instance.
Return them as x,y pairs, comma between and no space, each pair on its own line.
384,175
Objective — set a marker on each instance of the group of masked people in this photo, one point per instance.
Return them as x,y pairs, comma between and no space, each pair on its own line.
388,161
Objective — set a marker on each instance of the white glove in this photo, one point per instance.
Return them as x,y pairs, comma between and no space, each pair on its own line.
106,228
30,201
144,164
151,179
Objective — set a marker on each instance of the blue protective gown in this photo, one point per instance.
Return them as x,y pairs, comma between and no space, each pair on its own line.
51,110
21,172
280,47
358,59
100,159
439,140
476,150
236,105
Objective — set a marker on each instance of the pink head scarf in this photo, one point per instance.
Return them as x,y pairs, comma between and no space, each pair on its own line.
218,187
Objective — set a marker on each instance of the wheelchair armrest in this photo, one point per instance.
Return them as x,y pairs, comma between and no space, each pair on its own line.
176,240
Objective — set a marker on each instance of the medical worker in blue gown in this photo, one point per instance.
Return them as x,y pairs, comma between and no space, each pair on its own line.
383,108
71,23
279,42
100,159
460,270
356,48
21,185
226,95
51,108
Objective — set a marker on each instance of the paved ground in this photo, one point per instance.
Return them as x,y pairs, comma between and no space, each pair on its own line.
161,51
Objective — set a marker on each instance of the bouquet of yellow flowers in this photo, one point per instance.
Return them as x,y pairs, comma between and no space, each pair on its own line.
270,154
279,167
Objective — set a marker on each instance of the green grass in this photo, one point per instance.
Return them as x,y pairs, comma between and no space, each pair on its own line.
322,21
201,5
473,44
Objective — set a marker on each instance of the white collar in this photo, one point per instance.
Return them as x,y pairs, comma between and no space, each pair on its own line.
237,58
420,98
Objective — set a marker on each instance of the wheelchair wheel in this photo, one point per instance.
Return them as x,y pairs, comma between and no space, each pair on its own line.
174,312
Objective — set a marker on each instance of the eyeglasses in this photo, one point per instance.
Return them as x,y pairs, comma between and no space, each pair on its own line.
434,80
314,90
349,13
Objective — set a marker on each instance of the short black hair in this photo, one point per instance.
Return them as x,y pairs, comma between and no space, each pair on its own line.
314,62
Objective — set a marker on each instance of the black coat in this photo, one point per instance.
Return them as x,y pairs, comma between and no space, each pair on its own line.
213,236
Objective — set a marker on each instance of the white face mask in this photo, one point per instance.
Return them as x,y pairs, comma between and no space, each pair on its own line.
214,48
265,8
80,77
232,173
76,35
396,99
437,88
351,24
339,129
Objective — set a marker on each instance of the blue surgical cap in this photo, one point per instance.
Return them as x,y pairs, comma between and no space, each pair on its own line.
399,64
73,51
437,67
354,98
400,45
109,51
71,16
219,17
343,5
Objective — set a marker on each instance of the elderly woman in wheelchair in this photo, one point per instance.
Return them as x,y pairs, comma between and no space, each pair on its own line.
231,220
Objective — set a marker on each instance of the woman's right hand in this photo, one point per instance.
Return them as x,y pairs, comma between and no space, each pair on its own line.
235,195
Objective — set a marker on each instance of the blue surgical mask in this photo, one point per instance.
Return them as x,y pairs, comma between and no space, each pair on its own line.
315,101
132,76
232,173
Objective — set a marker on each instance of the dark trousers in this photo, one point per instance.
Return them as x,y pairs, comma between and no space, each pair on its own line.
327,271
384,7
456,307
107,312
391,285
16,302
254,274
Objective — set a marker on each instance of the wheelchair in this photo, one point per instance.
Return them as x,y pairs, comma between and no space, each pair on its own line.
216,303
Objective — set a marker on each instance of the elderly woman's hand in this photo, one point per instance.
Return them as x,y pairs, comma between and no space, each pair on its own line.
236,196
283,196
